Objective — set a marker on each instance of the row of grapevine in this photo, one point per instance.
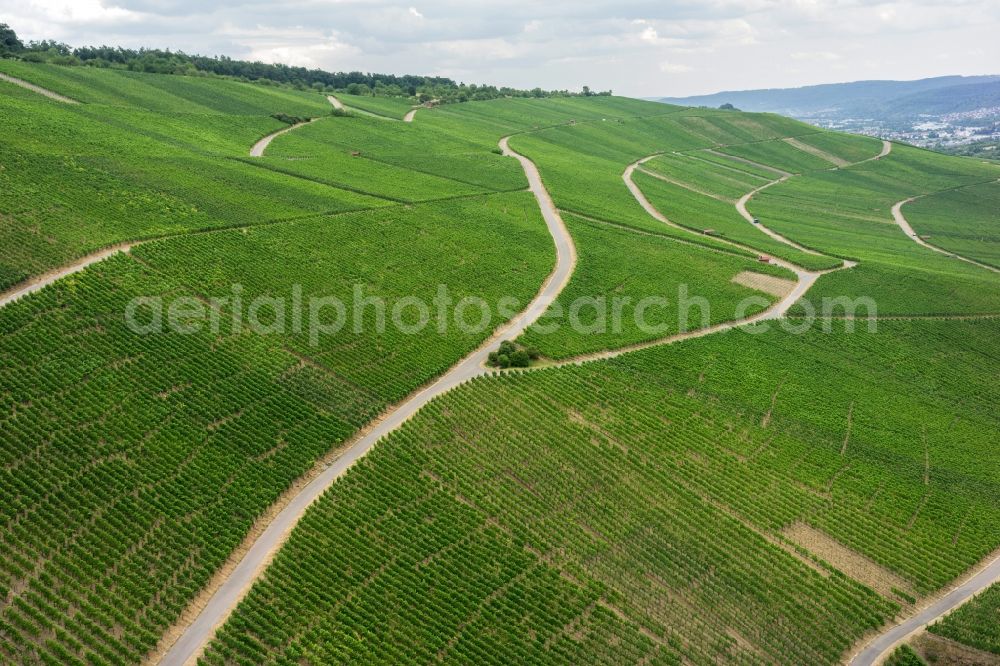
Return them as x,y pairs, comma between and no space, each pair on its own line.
653,481
134,464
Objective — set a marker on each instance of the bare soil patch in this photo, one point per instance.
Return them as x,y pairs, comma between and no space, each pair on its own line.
769,284
822,154
853,564
942,651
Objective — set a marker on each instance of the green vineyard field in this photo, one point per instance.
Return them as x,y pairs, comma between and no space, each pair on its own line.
767,494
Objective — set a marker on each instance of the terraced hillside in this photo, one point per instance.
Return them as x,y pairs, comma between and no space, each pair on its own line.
685,489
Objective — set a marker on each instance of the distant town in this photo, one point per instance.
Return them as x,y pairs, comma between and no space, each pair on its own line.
978,126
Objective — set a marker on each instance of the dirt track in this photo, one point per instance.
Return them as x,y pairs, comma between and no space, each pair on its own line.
38,89
45,279
257,150
897,215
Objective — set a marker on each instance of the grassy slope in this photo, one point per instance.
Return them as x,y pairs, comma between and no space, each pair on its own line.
512,489
848,147
82,177
87,176
725,183
779,154
396,159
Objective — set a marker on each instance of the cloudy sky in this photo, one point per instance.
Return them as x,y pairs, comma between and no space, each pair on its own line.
635,47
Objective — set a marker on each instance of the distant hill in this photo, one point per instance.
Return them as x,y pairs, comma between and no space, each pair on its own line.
863,99
943,113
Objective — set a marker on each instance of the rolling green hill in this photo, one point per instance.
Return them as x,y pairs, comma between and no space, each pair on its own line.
768,494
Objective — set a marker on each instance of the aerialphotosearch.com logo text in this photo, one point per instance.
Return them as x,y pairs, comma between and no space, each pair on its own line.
366,313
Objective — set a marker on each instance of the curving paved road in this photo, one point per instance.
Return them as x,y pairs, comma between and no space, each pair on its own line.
897,215
38,89
876,651
257,150
196,636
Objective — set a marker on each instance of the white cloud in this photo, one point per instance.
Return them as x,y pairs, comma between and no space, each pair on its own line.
81,11
649,35
479,49
636,47
815,55
674,68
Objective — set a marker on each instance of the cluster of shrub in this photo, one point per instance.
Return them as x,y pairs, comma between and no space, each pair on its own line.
512,355
419,88
291,120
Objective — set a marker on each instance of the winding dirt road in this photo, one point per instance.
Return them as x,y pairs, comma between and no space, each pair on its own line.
801,273
881,646
38,89
741,208
233,588
224,599
897,215
257,150
886,149
741,205
804,278
408,118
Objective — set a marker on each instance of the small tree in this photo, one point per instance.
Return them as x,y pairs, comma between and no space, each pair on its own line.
9,42
520,359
